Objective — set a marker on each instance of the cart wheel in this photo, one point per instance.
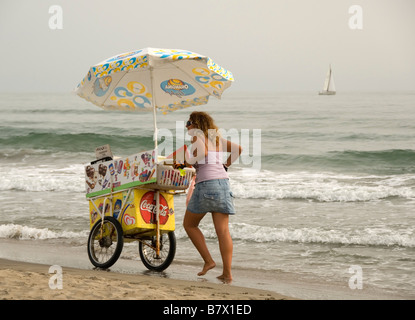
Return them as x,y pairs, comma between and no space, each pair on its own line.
105,249
167,251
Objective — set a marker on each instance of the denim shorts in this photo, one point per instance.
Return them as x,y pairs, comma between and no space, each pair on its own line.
212,196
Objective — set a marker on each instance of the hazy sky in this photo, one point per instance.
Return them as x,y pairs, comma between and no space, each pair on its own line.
279,45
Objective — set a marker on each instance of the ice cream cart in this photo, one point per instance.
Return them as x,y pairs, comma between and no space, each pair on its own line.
132,199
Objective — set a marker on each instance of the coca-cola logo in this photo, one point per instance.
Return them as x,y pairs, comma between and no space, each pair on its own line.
148,208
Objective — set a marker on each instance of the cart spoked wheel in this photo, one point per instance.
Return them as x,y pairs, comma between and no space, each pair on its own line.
148,255
105,243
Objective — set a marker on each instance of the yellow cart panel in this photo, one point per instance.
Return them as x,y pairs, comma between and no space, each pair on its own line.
137,213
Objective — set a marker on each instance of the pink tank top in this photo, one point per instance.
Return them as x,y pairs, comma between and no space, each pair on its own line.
212,168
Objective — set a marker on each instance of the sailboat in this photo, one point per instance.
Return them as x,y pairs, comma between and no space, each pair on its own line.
329,89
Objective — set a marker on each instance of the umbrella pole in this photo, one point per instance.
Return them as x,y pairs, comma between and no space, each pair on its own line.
157,193
155,125
157,224
153,98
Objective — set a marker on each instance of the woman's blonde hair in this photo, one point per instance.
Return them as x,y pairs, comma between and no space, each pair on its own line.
204,122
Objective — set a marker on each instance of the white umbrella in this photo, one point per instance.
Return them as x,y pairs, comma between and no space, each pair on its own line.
153,79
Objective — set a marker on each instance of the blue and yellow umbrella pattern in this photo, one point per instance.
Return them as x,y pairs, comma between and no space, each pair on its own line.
164,79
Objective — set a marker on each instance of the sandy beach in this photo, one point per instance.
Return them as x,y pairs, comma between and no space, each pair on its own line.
25,274
31,281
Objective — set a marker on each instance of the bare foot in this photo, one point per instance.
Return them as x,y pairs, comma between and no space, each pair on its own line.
225,279
206,268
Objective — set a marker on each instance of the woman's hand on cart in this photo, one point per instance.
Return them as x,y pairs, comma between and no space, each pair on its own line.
180,165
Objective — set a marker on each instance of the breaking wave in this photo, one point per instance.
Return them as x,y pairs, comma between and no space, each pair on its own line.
324,187
246,184
15,231
265,234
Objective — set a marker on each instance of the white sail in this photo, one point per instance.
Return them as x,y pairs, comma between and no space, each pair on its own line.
327,80
329,87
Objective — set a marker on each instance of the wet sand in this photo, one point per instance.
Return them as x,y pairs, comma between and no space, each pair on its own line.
31,281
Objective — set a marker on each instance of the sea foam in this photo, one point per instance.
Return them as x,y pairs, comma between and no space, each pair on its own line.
22,232
245,183
324,187
265,234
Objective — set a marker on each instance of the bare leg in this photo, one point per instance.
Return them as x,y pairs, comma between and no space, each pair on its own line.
191,225
221,222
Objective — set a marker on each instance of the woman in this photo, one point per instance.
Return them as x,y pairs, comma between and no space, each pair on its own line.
212,192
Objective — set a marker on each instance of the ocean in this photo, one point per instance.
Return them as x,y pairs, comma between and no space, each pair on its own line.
330,198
